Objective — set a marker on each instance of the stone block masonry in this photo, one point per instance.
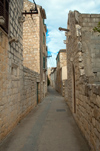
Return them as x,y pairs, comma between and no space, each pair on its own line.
3,82
83,68
34,44
18,84
31,43
18,95
61,70
88,108
29,93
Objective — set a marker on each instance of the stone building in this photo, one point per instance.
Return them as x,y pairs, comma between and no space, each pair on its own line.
53,77
83,60
34,44
11,59
18,84
49,71
61,75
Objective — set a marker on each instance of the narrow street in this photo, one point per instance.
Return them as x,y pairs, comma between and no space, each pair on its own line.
49,127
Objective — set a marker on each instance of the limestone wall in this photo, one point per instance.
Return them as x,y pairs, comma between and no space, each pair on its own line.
65,89
31,39
61,71
88,108
3,82
11,83
59,80
19,86
29,93
34,44
83,74
43,54
53,78
63,59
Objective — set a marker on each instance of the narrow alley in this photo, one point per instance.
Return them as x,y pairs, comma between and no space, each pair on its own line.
49,127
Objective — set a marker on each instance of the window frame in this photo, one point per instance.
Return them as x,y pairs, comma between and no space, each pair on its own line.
44,62
43,38
4,11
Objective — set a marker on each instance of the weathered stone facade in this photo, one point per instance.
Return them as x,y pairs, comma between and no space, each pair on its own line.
19,85
83,59
61,75
3,80
11,73
34,44
52,77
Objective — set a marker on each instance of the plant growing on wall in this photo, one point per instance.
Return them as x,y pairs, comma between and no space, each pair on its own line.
97,29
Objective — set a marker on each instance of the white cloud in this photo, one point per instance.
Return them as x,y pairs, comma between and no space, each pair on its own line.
57,14
55,41
51,61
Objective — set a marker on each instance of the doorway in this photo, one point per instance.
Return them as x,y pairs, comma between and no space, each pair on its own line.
73,89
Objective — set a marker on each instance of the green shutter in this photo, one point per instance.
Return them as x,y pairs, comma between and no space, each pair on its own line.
43,38
58,58
43,21
43,62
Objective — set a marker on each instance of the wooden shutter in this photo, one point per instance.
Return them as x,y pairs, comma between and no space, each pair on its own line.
43,38
6,14
4,11
2,8
43,62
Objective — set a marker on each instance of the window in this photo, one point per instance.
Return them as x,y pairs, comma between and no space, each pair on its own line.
58,58
14,70
4,11
43,62
43,38
43,21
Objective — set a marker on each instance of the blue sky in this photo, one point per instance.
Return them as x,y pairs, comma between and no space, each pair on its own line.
57,15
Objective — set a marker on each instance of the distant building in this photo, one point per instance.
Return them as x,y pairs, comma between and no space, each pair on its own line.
61,75
48,72
53,77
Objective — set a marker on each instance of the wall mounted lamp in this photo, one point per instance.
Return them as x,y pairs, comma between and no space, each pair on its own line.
33,10
13,39
63,29
49,56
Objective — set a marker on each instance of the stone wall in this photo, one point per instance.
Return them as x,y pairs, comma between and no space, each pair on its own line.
29,93
3,81
19,86
64,88
83,74
59,80
34,44
11,83
88,108
60,72
63,58
53,77
31,39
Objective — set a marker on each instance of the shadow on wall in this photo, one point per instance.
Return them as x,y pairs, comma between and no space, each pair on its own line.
48,81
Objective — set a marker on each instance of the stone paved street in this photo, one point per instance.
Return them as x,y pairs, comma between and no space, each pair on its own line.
49,127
